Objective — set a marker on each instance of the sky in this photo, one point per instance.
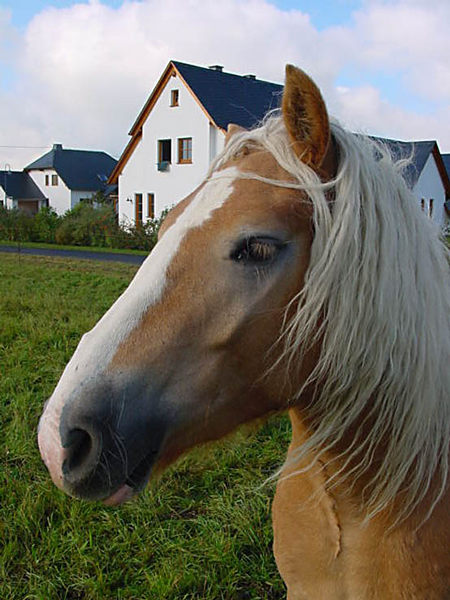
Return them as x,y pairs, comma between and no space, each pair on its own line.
78,73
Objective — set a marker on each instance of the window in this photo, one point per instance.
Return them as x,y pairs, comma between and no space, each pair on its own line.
422,204
150,206
164,154
174,97
54,179
138,209
430,208
185,150
47,180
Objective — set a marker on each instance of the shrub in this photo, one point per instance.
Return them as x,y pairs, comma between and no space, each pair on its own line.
15,225
88,224
85,225
44,225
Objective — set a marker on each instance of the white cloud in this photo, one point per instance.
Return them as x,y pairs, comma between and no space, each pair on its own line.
409,37
84,72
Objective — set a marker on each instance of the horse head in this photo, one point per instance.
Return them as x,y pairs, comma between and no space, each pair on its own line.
189,351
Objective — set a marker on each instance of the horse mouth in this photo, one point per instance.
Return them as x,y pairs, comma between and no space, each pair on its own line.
135,482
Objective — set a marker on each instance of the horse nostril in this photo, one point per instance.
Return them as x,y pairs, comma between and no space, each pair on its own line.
82,452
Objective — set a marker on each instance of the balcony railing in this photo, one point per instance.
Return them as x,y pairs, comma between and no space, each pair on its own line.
163,165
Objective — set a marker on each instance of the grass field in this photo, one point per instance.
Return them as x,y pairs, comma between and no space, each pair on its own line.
20,245
202,531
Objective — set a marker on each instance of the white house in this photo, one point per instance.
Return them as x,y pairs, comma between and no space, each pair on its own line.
18,190
60,179
182,126
180,129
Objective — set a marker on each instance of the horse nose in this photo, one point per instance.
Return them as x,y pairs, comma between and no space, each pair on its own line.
83,447
91,462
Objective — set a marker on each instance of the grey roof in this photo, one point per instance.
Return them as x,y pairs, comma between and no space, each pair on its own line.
228,98
86,170
20,186
245,100
418,152
111,190
446,160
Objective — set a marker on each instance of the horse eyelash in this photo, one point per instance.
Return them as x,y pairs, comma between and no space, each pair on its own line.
255,250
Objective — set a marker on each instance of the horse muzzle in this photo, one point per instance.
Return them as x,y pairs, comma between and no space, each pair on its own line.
102,443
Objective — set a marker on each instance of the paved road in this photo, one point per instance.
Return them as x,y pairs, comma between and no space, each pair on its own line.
133,259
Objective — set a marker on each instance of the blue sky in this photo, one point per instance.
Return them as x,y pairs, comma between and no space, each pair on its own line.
323,13
80,73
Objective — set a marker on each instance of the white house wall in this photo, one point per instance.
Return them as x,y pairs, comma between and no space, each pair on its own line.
430,186
141,176
5,200
77,196
59,196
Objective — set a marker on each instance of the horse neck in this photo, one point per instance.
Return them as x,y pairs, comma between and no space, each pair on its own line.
332,476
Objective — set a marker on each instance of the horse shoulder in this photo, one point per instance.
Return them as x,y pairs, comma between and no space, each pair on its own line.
324,550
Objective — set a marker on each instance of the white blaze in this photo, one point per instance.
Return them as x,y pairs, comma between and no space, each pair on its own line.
97,347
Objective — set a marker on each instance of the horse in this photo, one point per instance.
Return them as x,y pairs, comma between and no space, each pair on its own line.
300,276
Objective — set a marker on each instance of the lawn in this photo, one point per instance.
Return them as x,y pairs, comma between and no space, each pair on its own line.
19,245
202,531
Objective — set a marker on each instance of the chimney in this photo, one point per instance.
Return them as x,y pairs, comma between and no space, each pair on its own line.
216,68
57,147
252,77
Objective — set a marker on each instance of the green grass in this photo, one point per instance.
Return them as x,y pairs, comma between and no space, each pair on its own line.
201,532
61,247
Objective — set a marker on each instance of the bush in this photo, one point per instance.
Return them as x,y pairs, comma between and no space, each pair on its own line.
84,225
141,237
15,225
44,225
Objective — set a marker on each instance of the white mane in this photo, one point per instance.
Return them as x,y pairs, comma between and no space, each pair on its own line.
379,283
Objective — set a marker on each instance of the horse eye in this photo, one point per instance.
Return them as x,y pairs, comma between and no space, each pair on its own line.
256,250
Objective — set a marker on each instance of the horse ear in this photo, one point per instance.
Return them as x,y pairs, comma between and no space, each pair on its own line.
231,130
306,118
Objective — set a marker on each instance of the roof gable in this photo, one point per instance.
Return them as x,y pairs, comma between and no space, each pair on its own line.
20,186
85,170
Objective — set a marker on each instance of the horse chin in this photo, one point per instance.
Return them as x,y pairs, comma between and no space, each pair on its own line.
134,483
123,494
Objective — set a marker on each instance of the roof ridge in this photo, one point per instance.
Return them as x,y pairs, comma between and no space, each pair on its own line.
225,73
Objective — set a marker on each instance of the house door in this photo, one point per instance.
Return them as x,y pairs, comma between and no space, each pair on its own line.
30,207
138,209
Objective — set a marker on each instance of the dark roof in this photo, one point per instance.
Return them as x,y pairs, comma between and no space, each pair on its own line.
85,170
111,190
417,151
19,185
446,160
228,98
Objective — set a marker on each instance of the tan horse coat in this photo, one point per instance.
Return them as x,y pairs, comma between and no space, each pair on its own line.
194,374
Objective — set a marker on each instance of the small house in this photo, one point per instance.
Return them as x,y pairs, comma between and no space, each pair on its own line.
66,177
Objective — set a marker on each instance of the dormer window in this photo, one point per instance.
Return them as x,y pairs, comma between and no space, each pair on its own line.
174,97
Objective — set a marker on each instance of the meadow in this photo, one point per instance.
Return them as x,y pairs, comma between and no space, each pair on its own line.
202,531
